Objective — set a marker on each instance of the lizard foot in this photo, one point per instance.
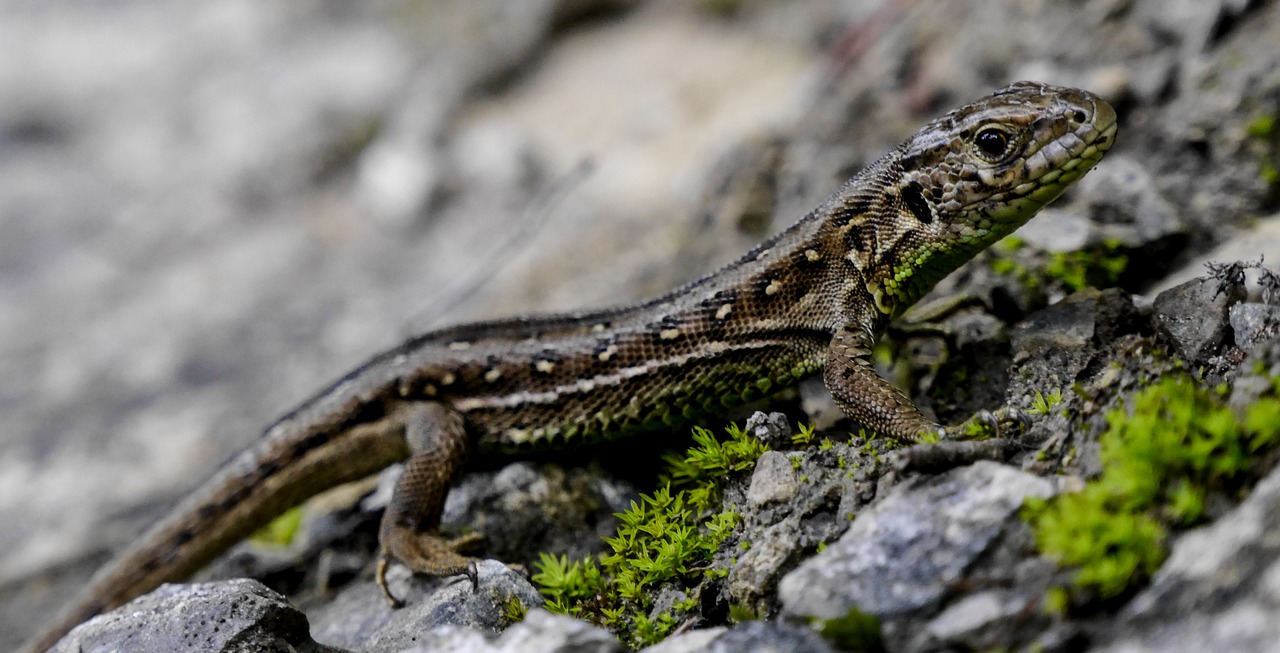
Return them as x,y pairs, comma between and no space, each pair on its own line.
425,553
985,436
1005,422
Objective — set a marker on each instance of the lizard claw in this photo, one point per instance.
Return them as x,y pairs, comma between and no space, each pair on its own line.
473,573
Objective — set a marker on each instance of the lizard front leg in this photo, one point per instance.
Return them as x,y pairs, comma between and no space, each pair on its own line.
864,396
879,406
438,441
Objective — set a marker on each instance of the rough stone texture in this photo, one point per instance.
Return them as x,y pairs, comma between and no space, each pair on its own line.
237,616
540,631
773,481
525,508
690,642
1254,323
1194,316
1065,338
772,429
1219,590
758,568
904,554
764,637
358,618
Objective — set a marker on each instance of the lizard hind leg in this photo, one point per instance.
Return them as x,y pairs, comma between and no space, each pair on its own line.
439,444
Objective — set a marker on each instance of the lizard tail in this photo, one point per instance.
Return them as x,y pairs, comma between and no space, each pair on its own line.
280,472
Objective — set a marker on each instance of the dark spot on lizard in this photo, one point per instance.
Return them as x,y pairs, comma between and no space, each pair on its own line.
860,239
913,195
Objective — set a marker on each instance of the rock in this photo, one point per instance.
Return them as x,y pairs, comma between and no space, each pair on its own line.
965,621
1219,590
540,631
758,568
764,637
1193,317
774,480
907,553
240,616
1065,337
358,618
772,429
691,642
1128,207
527,507
1254,322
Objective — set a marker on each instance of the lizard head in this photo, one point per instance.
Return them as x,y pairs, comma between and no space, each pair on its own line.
979,172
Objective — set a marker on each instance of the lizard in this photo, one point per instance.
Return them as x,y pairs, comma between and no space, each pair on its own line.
812,299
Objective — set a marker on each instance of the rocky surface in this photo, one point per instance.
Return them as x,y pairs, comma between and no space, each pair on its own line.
1219,589
206,213
901,559
233,616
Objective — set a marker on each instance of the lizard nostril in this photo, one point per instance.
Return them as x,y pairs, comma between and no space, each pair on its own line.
1079,116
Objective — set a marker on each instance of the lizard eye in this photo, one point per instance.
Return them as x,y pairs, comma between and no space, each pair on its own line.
992,142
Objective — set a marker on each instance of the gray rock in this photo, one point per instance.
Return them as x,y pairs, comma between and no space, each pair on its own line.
758,568
540,631
773,481
358,618
903,555
764,637
772,429
237,616
1065,337
1254,322
1128,207
527,507
965,621
690,642
1219,590
1193,317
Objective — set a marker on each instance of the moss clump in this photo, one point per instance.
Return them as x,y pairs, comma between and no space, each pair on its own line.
855,631
667,536
281,530
1175,443
1099,265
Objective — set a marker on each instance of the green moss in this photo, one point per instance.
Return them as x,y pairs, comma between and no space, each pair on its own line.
281,530
1262,127
705,466
1098,265
1175,442
667,536
804,435
739,613
1041,404
514,610
856,631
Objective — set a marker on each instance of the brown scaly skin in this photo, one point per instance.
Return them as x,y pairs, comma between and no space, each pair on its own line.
813,298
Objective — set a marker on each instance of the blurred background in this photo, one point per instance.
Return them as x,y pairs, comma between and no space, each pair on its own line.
207,212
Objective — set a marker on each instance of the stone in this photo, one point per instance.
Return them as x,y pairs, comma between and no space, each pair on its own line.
774,480
1219,590
540,631
1254,322
905,553
358,618
1193,317
236,616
